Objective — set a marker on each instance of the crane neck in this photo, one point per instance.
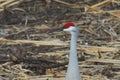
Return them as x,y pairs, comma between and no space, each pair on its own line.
73,72
73,43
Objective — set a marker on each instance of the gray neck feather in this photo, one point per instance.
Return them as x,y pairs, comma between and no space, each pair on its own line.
73,72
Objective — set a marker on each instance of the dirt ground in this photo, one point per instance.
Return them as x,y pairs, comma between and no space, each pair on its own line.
30,50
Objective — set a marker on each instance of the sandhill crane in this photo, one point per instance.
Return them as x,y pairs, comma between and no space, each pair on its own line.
73,72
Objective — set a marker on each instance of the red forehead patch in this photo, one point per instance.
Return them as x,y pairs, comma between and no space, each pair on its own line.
68,24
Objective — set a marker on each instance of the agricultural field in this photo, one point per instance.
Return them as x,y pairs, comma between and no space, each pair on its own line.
31,47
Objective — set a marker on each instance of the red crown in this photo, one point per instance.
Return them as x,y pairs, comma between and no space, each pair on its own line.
68,24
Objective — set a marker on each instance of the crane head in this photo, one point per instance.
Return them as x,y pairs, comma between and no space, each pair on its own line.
70,26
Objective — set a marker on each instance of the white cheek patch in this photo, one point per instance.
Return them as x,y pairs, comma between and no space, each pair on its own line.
68,29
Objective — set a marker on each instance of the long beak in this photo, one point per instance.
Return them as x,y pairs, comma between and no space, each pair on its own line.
56,30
